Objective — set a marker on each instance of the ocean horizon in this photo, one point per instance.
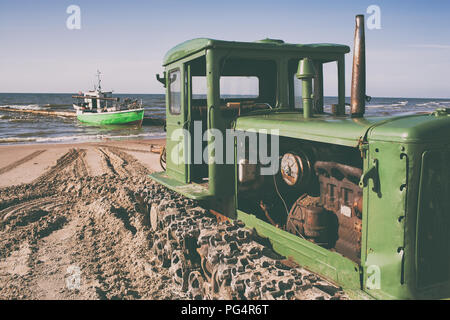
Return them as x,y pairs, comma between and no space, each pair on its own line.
26,128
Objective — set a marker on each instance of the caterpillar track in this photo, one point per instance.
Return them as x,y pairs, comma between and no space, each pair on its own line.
211,259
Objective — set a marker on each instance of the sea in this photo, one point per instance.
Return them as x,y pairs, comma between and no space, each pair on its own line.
18,127
29,128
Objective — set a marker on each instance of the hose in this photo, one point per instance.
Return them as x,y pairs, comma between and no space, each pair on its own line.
162,158
279,194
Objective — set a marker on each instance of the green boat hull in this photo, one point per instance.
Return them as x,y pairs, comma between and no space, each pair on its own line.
113,118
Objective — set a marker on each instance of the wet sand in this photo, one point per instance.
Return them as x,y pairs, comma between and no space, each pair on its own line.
68,216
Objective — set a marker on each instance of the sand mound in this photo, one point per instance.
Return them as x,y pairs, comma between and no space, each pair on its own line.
73,232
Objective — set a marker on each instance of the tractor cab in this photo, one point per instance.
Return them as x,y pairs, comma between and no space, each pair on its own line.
210,83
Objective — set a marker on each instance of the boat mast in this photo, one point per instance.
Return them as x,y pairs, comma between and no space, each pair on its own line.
99,86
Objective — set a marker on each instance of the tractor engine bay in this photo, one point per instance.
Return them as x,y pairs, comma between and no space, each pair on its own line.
315,194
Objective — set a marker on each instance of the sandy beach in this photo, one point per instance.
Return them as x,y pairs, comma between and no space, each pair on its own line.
25,163
66,208
74,224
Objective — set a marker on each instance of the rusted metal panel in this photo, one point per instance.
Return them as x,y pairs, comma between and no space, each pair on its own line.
341,194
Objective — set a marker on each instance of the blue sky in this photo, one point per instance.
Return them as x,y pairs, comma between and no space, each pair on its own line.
408,57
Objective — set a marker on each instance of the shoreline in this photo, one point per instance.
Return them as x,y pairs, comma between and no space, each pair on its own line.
158,140
158,137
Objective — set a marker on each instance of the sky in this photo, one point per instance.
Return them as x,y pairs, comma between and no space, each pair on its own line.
127,40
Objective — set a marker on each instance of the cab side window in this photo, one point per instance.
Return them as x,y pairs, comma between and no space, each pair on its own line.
175,91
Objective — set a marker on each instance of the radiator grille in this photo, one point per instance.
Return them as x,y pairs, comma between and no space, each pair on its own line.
433,224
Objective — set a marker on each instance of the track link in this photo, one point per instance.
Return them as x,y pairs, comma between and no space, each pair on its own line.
209,259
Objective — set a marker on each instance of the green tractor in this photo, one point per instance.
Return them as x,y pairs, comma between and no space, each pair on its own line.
363,201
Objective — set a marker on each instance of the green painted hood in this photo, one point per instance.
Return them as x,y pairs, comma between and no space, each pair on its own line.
418,128
189,47
347,131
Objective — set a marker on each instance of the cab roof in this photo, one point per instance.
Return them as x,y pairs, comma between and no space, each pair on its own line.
190,47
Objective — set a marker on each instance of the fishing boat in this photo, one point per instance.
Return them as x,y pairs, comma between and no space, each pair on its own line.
97,107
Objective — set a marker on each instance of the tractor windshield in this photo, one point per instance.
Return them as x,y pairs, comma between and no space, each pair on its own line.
247,82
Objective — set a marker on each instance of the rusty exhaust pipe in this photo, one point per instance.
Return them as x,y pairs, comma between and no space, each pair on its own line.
358,91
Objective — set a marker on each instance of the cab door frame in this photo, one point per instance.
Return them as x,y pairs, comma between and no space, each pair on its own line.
177,143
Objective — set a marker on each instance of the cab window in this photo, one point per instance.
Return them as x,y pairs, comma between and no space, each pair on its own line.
175,91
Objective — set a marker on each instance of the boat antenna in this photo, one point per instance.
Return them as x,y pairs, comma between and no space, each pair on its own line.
99,87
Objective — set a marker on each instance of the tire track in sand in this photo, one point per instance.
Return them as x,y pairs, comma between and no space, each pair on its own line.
89,222
21,161
120,163
124,149
62,163
132,165
107,163
31,220
80,167
21,209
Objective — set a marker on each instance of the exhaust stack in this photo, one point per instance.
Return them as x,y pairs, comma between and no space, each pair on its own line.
358,90
306,73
